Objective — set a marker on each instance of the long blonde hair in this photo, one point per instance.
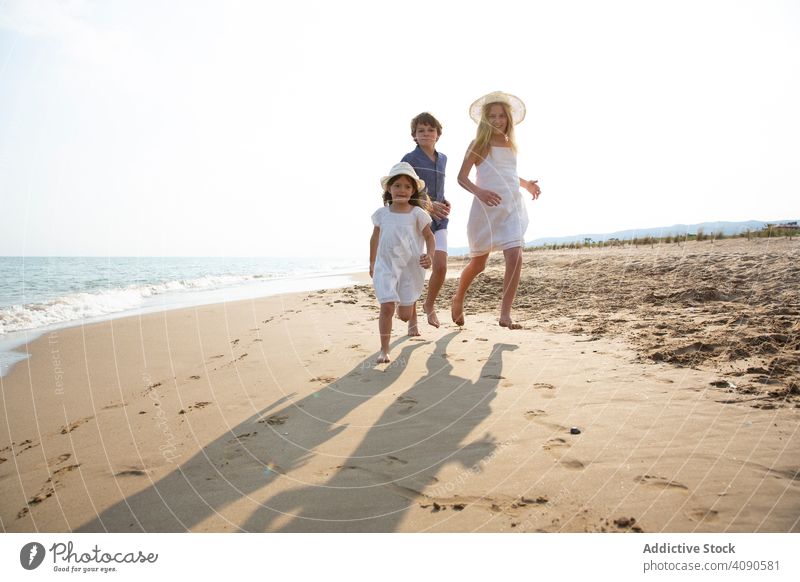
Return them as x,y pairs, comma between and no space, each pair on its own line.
483,137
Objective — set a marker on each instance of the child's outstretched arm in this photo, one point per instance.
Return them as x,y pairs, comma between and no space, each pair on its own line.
531,186
373,248
425,261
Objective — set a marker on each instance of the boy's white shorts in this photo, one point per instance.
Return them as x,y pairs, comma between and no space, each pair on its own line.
441,239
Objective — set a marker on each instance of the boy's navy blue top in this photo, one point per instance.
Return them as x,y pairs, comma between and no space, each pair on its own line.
433,175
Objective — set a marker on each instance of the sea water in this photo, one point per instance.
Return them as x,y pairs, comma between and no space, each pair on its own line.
39,294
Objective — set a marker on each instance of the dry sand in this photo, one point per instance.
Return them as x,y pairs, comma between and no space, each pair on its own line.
678,363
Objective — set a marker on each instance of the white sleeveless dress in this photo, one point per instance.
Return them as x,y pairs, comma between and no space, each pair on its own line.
495,228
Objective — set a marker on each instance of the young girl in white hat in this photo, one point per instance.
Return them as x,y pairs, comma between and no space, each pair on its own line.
396,260
498,218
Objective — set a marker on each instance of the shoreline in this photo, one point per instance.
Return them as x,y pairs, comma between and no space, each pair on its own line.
271,415
11,342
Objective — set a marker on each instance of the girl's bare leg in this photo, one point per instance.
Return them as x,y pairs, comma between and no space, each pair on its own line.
385,330
474,268
438,274
513,259
409,313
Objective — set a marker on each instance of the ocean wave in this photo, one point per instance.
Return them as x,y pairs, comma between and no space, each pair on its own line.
86,305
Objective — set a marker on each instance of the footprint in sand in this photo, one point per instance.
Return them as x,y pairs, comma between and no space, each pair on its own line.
72,426
547,389
525,501
47,490
242,437
59,459
571,463
325,379
66,469
195,406
24,446
703,514
274,420
531,414
791,474
659,482
626,523
556,442
150,388
391,459
554,447
131,473
405,400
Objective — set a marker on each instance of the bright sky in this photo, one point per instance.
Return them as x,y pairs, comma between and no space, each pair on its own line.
262,128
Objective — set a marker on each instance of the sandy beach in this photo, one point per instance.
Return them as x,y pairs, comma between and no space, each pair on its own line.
679,365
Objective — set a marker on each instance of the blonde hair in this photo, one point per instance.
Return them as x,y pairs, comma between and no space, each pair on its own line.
483,137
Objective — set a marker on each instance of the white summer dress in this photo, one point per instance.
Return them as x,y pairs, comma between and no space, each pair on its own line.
398,276
501,227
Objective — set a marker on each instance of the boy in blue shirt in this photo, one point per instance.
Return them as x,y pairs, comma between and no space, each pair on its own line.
430,166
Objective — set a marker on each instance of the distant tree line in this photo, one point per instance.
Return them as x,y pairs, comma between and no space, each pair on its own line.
769,231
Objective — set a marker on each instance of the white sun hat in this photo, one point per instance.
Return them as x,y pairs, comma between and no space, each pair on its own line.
515,103
405,169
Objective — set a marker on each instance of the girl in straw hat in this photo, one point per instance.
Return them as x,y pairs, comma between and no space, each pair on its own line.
396,260
498,218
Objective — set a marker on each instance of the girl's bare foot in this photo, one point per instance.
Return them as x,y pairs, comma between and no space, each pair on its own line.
457,313
413,329
510,324
431,313
383,358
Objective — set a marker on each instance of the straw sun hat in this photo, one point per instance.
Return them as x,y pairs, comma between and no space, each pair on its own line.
406,169
515,103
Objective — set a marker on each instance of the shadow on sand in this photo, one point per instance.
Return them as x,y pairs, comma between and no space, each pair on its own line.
420,432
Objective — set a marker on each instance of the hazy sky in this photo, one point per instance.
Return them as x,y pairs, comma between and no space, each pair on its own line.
262,128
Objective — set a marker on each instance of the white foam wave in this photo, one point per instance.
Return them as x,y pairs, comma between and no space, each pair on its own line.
77,306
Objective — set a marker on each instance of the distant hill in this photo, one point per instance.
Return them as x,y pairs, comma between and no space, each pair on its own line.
727,228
